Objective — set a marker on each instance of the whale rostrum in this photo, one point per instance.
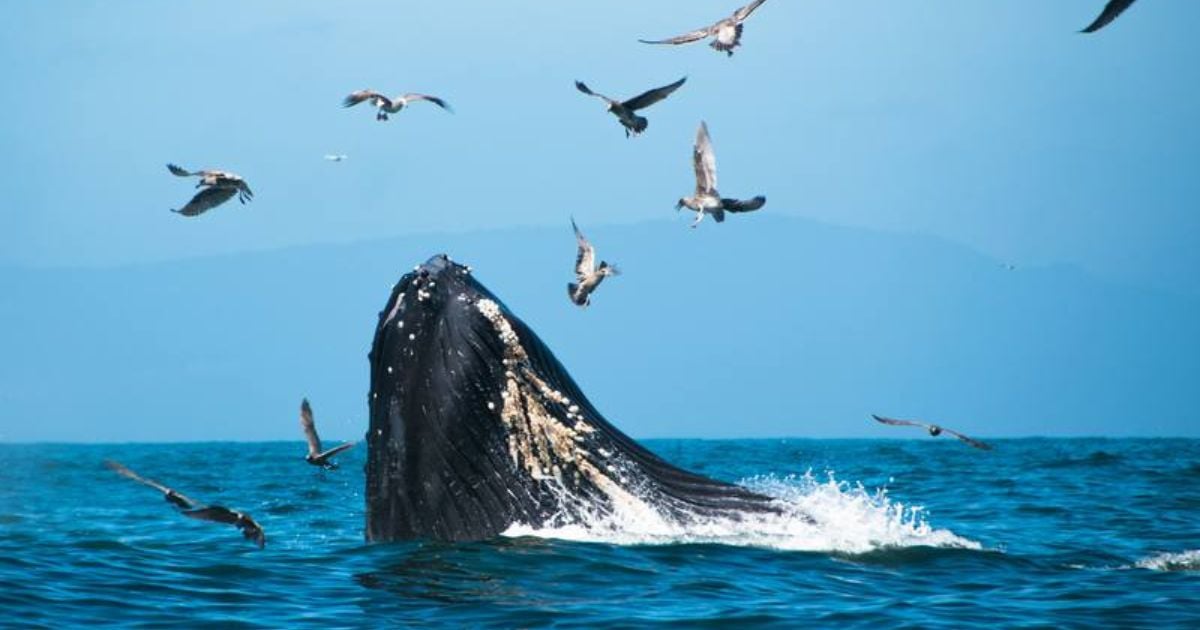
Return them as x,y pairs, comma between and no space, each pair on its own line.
476,427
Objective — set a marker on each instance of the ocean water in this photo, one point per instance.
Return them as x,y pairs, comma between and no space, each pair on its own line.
917,533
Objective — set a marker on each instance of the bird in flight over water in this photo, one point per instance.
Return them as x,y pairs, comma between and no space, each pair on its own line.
1110,13
251,530
219,187
385,105
933,429
316,456
707,200
587,275
624,111
726,34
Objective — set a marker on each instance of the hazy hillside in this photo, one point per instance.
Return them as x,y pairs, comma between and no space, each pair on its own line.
758,327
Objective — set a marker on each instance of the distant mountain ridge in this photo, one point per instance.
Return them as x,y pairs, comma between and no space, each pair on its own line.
767,326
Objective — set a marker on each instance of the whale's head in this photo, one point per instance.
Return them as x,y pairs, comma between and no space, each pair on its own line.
476,426
422,296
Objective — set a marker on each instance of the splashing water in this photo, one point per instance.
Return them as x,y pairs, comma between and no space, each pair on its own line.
1184,561
830,516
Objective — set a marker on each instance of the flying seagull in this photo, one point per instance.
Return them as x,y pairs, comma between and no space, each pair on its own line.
633,123
587,275
316,456
1110,13
188,507
707,200
219,187
726,34
336,158
387,105
933,429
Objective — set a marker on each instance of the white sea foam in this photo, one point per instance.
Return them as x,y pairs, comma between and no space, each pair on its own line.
846,518
1184,561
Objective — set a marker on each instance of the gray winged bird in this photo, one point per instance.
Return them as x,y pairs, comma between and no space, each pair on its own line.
251,530
726,34
316,456
219,187
587,275
385,105
1111,10
624,111
707,200
933,429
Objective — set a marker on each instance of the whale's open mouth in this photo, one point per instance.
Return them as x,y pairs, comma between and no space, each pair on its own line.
475,427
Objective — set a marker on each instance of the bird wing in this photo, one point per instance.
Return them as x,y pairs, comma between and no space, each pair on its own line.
362,95
335,450
582,87
310,428
743,205
413,96
244,187
171,495
219,514
213,513
206,199
178,171
585,260
968,440
253,531
704,161
899,423
741,14
650,97
1110,13
686,38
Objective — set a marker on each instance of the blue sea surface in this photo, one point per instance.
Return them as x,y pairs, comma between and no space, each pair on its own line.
916,533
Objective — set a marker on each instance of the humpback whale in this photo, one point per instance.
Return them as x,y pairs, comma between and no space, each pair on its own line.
475,427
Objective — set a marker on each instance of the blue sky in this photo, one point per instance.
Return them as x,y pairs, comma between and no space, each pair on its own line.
987,124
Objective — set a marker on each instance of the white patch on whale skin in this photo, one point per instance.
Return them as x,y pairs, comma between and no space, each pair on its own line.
392,313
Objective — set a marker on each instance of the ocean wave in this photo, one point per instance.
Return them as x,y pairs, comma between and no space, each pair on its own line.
1183,561
820,516
1093,459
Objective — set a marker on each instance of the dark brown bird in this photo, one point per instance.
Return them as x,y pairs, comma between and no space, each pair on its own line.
219,187
385,105
707,200
624,111
933,429
1110,13
726,33
251,530
316,456
587,275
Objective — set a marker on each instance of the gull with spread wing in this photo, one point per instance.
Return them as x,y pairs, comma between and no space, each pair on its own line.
726,34
587,275
624,110
219,187
707,200
316,456
385,105
933,429
251,530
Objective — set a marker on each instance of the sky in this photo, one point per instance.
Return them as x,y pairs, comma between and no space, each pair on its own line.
990,125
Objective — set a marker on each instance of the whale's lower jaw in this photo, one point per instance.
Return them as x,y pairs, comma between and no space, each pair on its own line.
476,427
